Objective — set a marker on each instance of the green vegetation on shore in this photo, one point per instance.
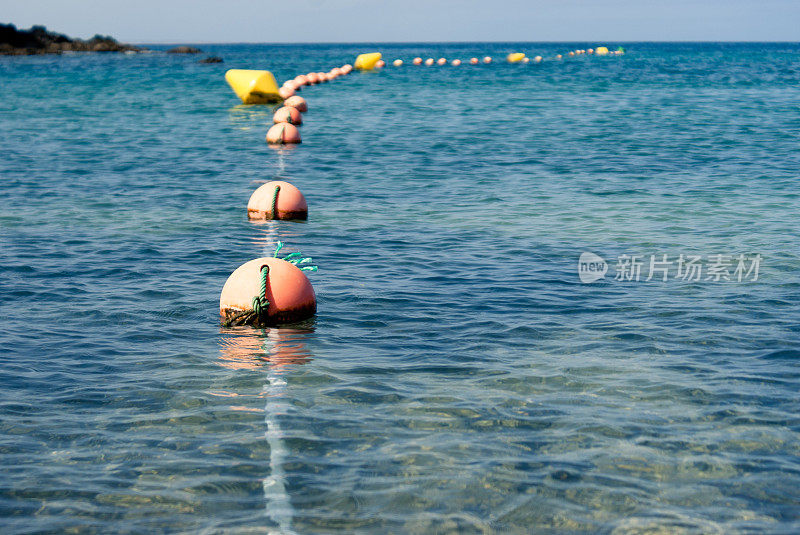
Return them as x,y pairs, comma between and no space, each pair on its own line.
37,40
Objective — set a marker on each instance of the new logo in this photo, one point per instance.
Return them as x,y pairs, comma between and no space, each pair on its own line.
591,267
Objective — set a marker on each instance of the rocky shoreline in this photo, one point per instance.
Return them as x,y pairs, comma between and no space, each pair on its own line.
37,40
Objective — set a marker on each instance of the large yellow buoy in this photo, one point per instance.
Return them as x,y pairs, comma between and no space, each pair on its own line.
515,57
367,62
601,50
253,87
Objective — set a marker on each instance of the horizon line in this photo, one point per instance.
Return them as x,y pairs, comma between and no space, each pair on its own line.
167,43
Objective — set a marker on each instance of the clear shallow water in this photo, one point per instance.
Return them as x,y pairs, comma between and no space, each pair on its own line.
458,376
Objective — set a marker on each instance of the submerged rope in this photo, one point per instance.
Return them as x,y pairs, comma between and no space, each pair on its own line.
276,495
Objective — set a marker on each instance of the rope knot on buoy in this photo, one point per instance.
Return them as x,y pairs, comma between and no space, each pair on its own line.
260,301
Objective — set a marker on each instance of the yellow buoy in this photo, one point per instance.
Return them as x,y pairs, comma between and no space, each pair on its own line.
601,51
515,57
366,62
253,87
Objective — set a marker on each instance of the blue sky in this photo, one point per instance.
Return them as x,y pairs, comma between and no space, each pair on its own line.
203,21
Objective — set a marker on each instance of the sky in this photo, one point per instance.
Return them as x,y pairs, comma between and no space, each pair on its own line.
336,21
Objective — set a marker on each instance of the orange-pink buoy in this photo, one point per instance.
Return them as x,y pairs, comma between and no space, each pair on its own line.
590,50
288,114
347,68
571,53
300,80
277,200
397,62
455,62
429,62
487,59
558,56
380,64
287,290
286,92
337,71
282,134
297,102
417,61
473,61
537,59
322,77
441,61
526,59
312,78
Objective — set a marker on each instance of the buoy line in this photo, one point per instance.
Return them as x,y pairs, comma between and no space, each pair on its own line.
270,291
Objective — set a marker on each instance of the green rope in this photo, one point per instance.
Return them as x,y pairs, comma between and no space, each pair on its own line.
296,259
260,303
275,202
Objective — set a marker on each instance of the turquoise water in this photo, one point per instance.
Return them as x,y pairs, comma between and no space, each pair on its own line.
459,377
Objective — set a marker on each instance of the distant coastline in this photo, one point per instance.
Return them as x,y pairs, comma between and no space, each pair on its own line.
37,40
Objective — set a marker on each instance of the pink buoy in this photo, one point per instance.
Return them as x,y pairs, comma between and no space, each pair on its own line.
322,77
397,62
429,62
277,200
286,92
380,64
487,59
417,61
347,68
300,80
537,59
283,133
526,60
312,78
288,114
473,61
456,62
558,56
297,102
441,61
286,293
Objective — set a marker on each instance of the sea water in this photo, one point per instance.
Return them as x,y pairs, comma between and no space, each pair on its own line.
459,376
